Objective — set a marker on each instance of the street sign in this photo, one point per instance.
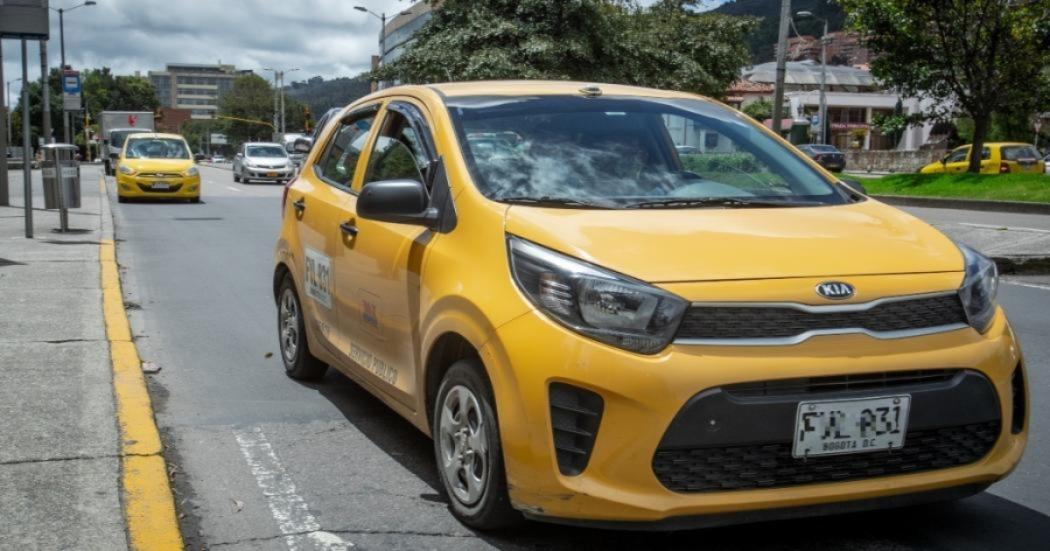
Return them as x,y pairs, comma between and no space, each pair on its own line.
217,139
70,90
24,19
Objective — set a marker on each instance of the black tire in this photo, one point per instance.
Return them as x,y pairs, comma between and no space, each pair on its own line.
195,199
299,363
492,509
122,199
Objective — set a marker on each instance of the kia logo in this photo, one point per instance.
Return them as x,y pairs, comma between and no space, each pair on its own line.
835,290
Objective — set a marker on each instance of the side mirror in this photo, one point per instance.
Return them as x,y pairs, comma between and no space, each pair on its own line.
398,201
854,185
303,144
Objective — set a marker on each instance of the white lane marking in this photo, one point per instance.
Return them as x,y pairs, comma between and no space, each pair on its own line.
233,188
1029,285
1002,228
288,508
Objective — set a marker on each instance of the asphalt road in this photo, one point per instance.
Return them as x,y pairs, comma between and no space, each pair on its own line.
262,462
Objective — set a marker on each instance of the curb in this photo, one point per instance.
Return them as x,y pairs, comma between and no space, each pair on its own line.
1023,265
149,506
1016,207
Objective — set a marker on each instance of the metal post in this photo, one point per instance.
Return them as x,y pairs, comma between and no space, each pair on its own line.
275,112
27,146
382,38
282,103
778,93
45,95
62,42
5,197
823,84
87,144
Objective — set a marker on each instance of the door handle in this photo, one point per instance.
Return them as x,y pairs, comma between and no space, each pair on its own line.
349,228
300,205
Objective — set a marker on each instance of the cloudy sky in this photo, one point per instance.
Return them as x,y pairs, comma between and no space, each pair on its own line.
321,37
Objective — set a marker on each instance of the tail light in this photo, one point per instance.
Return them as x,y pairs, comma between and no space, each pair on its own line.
1004,168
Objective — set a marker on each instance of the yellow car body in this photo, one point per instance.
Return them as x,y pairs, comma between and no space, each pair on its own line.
997,158
156,177
393,305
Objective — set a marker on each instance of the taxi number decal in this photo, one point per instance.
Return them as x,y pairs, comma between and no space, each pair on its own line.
319,277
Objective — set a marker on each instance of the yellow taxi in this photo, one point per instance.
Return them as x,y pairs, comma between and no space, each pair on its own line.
996,158
626,307
157,166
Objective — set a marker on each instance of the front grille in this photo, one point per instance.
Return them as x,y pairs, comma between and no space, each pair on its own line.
147,187
771,465
576,414
840,383
160,175
721,323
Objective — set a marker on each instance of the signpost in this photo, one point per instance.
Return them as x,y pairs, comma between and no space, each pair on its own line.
71,90
24,20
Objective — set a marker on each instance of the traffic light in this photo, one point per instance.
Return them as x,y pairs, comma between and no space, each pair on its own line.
308,120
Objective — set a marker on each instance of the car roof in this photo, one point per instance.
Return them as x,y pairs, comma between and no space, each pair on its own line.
142,135
531,88
264,143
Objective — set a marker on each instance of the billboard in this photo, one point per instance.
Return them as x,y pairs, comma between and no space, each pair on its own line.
24,19
217,139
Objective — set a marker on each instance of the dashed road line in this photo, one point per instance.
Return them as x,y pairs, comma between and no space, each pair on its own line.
289,509
234,189
1001,227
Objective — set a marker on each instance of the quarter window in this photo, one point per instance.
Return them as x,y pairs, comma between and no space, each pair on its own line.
339,161
398,153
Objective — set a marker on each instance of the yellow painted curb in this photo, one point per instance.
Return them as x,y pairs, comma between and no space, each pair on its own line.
149,508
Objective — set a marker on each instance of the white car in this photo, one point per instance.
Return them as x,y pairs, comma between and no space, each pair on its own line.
218,159
262,161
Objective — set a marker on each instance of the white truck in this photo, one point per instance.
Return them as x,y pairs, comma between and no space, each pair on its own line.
115,127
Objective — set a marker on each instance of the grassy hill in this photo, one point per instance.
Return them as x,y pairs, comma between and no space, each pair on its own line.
762,40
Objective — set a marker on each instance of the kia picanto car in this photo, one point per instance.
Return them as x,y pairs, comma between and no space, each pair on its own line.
157,166
626,307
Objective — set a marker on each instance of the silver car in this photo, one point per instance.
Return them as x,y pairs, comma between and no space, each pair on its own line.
263,161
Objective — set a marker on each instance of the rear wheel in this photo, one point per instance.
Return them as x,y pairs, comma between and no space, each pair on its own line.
468,449
299,363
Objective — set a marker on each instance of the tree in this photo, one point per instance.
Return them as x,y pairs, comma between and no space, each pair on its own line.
250,98
667,45
759,110
973,58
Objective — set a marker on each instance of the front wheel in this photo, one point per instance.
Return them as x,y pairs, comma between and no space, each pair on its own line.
468,449
299,363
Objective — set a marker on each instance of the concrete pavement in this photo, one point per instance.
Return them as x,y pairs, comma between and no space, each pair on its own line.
60,452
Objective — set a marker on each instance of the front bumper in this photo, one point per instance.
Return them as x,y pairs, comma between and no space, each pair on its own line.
642,395
135,186
268,174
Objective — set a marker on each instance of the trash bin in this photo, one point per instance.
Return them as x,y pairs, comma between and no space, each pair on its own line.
61,174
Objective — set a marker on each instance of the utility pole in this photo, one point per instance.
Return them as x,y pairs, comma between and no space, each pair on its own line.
778,93
5,197
282,102
823,84
45,94
62,68
27,146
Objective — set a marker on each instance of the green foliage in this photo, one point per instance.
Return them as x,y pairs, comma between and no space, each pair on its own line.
759,110
1004,187
762,41
721,162
971,57
664,46
250,98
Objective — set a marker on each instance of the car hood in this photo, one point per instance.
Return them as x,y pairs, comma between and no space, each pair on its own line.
663,246
158,165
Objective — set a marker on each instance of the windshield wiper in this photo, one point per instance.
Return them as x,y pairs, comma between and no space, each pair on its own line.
548,201
724,202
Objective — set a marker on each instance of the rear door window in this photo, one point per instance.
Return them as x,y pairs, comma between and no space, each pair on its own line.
338,163
398,153
1018,152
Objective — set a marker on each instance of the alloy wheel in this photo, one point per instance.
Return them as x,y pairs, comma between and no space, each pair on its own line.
289,318
463,445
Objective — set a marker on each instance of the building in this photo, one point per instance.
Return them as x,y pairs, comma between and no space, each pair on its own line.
854,100
194,87
400,29
171,119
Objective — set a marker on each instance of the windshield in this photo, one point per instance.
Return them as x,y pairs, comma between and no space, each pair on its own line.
157,148
823,148
265,151
628,152
117,137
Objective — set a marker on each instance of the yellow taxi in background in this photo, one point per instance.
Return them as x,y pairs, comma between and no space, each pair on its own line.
627,307
996,158
157,166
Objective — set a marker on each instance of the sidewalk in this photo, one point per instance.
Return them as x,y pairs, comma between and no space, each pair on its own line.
60,473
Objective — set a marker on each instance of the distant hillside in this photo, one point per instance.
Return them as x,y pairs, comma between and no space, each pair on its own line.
321,95
764,37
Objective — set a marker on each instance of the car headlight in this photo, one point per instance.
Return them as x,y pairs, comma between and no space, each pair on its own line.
979,288
595,302
126,170
192,171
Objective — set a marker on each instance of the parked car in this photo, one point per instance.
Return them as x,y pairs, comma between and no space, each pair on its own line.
593,333
827,156
996,158
266,161
198,157
218,158
157,166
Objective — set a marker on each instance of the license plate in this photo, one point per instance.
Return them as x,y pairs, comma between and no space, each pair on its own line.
161,186
271,174
832,427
